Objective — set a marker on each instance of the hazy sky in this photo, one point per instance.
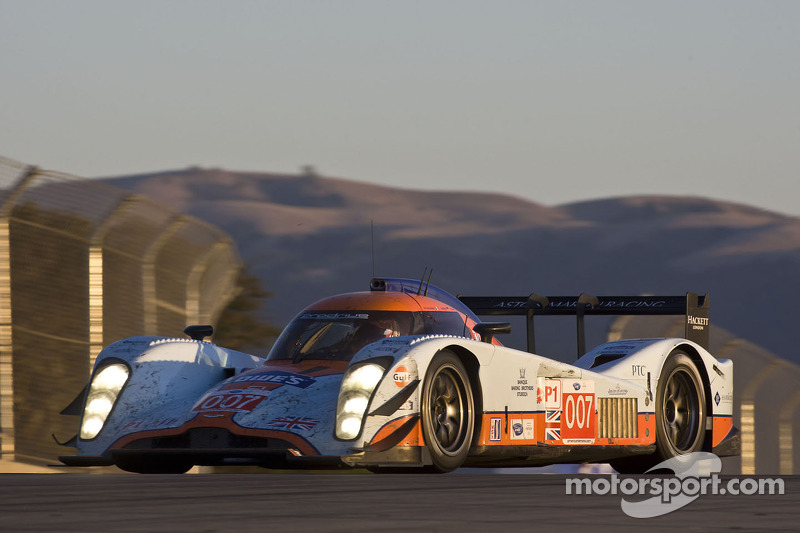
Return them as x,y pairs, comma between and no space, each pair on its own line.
552,101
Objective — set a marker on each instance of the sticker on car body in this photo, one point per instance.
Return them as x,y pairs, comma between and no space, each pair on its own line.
277,377
230,400
579,417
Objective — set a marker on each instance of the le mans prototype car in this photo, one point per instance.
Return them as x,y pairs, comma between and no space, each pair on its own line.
406,377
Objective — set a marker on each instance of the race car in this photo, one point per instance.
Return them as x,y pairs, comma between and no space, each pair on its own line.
406,377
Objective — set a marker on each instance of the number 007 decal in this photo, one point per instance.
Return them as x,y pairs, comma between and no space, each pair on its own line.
229,402
579,420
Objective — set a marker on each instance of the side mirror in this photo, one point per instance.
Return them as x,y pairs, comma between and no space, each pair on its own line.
199,333
487,330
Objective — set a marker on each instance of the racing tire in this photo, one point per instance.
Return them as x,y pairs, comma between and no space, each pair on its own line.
157,465
680,411
448,413
680,408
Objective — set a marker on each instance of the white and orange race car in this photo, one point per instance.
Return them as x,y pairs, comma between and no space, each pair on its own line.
406,377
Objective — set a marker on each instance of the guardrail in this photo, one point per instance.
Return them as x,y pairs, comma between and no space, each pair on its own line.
83,264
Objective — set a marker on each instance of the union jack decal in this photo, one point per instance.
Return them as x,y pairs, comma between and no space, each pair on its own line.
298,422
552,433
552,428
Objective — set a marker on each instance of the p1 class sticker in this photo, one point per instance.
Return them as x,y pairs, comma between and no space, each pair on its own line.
552,393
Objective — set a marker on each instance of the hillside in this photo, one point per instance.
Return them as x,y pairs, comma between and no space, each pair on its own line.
309,236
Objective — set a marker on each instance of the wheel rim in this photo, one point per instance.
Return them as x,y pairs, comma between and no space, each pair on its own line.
447,410
681,410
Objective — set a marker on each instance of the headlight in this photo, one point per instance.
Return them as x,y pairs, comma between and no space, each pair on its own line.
102,396
358,384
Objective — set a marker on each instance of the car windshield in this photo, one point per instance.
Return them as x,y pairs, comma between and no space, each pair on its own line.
338,335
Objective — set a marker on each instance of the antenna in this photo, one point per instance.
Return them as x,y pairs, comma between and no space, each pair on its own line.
428,284
421,281
372,244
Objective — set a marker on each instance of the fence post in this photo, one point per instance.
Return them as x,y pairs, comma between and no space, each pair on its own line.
7,444
194,314
150,296
748,416
96,278
786,434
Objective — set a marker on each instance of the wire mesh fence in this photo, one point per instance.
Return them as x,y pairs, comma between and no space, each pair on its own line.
83,264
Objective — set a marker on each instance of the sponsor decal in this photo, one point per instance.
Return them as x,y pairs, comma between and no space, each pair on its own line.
522,388
539,395
161,422
401,376
388,345
572,303
723,398
521,428
280,377
617,391
552,394
511,305
697,322
494,429
297,422
639,370
335,316
393,342
633,303
552,425
579,420
232,400
408,406
618,348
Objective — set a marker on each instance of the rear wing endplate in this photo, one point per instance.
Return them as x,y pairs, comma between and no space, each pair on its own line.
695,308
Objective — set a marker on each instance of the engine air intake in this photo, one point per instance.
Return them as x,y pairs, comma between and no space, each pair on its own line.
617,418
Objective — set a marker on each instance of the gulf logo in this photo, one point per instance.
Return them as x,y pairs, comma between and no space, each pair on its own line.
401,376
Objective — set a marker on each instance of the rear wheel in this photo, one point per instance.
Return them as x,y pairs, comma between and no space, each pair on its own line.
680,415
680,408
448,418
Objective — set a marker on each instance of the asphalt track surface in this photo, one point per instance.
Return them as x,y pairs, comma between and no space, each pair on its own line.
209,503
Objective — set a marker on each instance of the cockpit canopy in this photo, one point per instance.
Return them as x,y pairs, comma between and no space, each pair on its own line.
336,328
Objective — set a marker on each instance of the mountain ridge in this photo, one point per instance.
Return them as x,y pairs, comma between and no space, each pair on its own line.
307,236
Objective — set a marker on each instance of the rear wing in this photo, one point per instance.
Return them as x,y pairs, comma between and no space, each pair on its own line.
695,308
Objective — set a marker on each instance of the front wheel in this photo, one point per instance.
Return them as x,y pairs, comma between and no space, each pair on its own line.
448,418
